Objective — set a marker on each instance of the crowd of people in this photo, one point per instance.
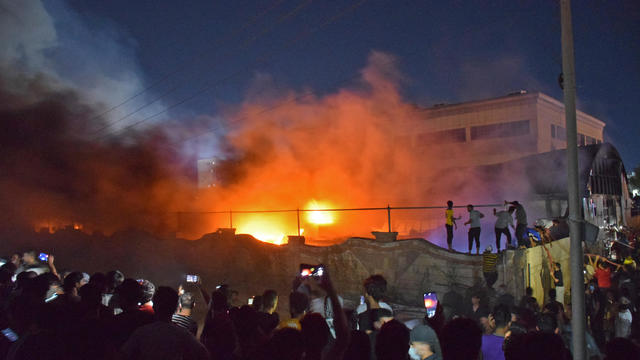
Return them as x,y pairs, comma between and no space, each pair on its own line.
71,315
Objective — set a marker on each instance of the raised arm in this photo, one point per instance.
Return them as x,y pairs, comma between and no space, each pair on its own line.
339,320
52,267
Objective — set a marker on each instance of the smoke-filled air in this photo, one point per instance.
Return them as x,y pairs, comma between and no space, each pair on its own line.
344,149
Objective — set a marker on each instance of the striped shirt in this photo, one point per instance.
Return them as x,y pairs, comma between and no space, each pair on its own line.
185,322
489,261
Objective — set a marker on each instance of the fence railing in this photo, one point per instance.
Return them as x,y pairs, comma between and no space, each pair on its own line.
231,214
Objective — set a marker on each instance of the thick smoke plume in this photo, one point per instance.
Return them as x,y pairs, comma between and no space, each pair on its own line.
53,174
347,149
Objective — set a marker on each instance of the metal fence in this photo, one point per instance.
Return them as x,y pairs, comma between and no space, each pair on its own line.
393,217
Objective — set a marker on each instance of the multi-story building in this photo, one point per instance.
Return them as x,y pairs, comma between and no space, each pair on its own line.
497,130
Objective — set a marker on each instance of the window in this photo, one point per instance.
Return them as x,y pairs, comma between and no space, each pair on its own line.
516,128
553,131
581,140
442,137
590,140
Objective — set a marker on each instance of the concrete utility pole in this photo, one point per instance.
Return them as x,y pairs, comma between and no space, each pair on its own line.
576,220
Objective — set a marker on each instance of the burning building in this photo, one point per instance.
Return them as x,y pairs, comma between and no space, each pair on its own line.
410,157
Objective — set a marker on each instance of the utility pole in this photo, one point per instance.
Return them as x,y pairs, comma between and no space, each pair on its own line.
576,220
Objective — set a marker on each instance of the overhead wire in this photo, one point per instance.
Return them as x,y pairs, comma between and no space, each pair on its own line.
177,70
264,58
309,92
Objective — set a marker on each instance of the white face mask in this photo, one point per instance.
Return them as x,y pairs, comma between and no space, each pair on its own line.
413,354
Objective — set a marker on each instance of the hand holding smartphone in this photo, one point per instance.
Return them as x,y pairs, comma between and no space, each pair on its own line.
430,303
43,257
193,278
307,270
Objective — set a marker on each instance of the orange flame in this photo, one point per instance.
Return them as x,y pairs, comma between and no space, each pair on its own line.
319,217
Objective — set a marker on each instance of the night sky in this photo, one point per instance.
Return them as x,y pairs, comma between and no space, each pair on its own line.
199,56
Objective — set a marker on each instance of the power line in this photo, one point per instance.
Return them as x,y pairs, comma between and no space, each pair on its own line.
261,59
177,70
305,94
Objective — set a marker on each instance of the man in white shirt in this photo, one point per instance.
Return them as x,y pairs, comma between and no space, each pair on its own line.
504,219
474,228
624,319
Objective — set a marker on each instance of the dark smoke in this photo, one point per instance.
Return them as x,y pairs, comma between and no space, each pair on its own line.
54,173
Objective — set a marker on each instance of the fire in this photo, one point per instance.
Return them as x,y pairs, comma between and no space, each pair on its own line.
273,231
319,217
275,228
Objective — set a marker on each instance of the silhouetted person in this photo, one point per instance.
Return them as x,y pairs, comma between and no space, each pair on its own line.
268,317
392,342
620,348
162,339
461,339
359,346
298,304
124,324
286,344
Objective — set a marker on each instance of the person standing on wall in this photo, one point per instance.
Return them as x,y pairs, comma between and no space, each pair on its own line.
474,230
503,221
521,223
450,223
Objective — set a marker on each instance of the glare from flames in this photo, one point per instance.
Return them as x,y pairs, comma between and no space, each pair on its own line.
272,231
275,229
319,217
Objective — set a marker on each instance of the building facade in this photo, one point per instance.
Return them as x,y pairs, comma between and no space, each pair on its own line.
496,130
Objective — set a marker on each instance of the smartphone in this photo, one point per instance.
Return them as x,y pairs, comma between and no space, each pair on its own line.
361,299
9,334
51,298
250,301
430,303
307,270
192,278
43,257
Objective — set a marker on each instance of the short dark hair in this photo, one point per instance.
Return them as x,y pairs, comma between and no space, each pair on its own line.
165,302
298,303
71,280
552,294
187,300
470,206
449,203
376,286
269,298
502,315
547,323
392,341
528,291
377,314
461,339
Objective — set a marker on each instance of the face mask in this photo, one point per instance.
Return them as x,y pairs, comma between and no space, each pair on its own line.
413,354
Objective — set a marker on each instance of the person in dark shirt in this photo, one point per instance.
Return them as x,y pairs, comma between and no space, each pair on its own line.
559,283
478,312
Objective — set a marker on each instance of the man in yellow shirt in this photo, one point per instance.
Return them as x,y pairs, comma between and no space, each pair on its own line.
451,223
